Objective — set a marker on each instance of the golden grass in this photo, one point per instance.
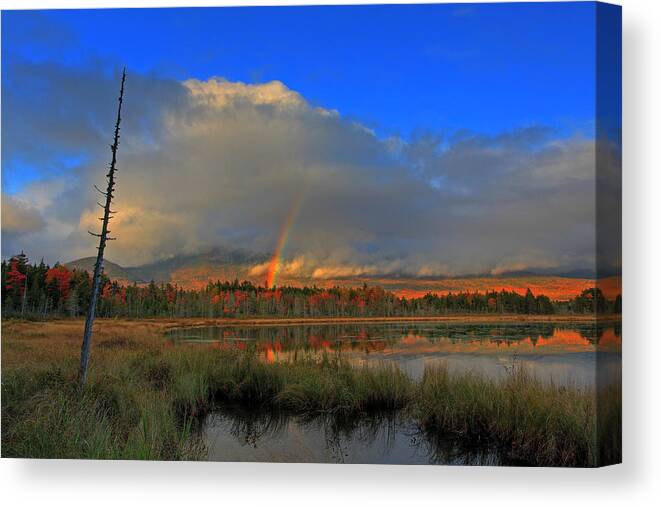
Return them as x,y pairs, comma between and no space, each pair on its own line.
144,396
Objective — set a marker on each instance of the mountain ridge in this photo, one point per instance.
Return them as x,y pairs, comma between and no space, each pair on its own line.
240,260
162,271
195,271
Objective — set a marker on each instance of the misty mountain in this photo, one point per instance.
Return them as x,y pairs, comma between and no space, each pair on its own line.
222,263
114,271
227,263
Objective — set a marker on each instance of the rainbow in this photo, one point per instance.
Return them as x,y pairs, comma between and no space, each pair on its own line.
276,261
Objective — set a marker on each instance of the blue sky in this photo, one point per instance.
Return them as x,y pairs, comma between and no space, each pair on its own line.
462,87
397,68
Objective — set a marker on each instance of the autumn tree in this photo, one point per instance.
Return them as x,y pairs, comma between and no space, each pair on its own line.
16,281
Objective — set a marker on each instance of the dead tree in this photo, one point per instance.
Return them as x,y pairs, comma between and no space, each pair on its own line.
103,238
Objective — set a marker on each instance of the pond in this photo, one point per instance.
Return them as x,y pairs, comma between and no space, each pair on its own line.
565,353
234,434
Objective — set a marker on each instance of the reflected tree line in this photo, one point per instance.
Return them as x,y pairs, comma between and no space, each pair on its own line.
374,338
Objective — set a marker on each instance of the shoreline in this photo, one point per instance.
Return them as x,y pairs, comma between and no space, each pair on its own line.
167,323
458,319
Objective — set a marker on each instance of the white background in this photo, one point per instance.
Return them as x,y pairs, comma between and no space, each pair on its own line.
636,482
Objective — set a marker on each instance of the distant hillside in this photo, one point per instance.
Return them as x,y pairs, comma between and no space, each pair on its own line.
223,263
190,271
556,287
112,270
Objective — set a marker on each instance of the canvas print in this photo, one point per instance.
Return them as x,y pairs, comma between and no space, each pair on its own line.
385,234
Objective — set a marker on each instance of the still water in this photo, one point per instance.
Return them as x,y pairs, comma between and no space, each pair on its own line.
576,354
239,435
564,353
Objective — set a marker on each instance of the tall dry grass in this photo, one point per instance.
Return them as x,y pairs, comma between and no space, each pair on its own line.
144,398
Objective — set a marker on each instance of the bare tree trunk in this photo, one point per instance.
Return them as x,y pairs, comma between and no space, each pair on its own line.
103,238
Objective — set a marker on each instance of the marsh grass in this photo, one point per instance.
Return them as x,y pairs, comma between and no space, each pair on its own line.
536,422
144,400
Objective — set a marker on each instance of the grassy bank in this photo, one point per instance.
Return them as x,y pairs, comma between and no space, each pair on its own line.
143,399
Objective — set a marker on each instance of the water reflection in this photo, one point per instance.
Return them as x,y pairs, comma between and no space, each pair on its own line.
240,435
565,353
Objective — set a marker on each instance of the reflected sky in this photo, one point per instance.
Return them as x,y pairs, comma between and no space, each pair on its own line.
240,435
562,353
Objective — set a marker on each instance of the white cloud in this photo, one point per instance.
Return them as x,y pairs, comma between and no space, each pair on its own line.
220,93
209,162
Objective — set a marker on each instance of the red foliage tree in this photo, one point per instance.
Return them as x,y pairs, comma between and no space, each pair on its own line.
171,293
62,278
15,279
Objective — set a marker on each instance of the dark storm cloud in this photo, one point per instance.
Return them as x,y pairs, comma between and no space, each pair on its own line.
208,162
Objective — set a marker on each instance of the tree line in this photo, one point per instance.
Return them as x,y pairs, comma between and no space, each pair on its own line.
41,291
